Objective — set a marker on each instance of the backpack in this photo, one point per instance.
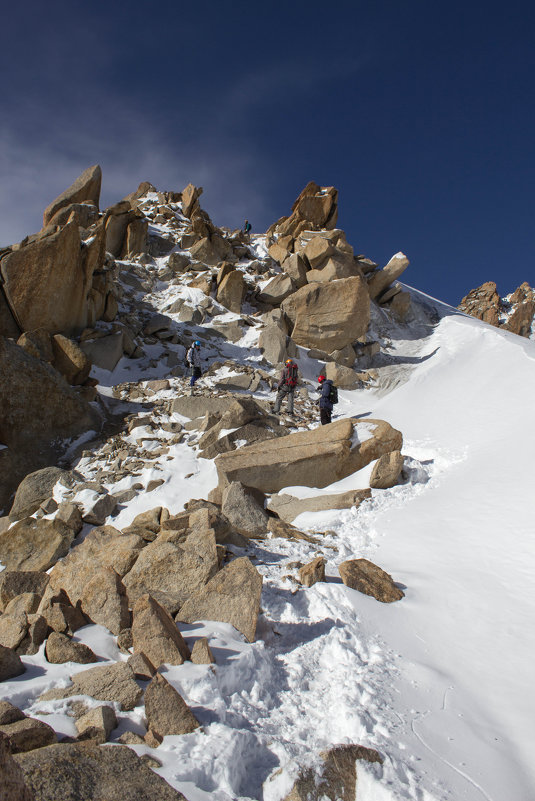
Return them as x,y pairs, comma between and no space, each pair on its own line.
291,380
333,394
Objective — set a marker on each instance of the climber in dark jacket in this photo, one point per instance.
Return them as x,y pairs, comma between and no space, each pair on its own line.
326,407
286,386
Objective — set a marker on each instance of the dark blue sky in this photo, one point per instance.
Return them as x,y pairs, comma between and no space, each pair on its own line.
421,113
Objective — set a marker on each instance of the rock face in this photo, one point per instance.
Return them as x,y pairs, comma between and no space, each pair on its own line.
335,777
387,471
104,600
314,458
329,316
85,188
166,710
243,511
483,303
38,409
315,208
35,544
364,576
232,596
84,772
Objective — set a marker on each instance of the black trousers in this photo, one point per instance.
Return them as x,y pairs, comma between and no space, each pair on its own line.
325,416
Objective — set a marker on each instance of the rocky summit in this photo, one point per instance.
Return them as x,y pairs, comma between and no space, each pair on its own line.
167,544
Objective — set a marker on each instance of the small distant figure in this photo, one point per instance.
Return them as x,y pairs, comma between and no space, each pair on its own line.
247,227
328,397
286,386
193,359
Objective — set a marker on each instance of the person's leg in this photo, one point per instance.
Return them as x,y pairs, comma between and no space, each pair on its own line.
324,417
278,400
291,400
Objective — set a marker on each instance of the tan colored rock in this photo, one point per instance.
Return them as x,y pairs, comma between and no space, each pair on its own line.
364,576
28,734
521,320
37,343
232,596
190,197
287,507
141,666
104,600
400,305
201,653
85,188
312,572
83,214
156,635
27,603
70,360
335,777
34,544
231,290
14,583
339,265
387,471
69,771
166,710
103,547
113,682
318,251
380,280
342,377
314,458
10,713
272,343
136,237
69,513
60,649
243,511
277,289
97,724
278,252
36,488
329,316
39,412
296,268
13,629
172,572
59,613
483,303
14,787
315,208
45,283
106,351
11,664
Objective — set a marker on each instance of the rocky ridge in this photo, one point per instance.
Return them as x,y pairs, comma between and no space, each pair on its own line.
155,273
514,312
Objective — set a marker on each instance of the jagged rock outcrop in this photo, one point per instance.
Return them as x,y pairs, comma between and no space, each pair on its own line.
85,188
514,312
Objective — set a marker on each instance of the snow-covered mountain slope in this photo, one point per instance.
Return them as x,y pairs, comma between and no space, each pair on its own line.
438,683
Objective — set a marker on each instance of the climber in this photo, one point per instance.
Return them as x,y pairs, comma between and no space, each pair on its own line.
328,397
286,386
193,359
247,227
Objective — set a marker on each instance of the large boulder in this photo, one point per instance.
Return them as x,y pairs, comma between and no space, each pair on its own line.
276,290
313,458
387,470
381,279
230,291
315,208
329,316
232,596
34,544
243,511
45,282
15,583
114,682
190,197
11,664
85,188
106,351
36,488
86,772
70,360
103,547
39,412
483,302
28,734
364,576
272,343
60,649
104,600
166,710
172,572
154,634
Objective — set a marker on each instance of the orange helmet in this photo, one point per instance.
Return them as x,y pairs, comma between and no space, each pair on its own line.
288,361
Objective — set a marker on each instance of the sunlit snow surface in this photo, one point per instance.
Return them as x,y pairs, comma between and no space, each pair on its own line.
440,682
